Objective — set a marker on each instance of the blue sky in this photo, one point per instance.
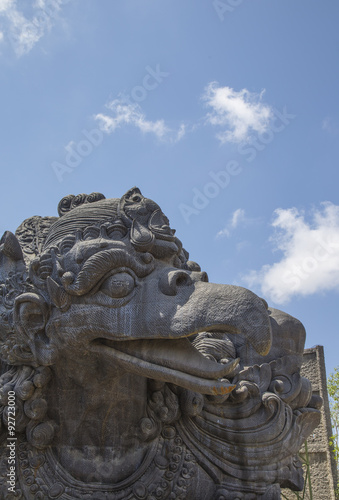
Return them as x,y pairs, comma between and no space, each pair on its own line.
225,112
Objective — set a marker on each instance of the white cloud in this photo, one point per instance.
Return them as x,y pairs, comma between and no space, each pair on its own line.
238,113
223,232
237,217
5,5
181,132
24,33
131,114
310,260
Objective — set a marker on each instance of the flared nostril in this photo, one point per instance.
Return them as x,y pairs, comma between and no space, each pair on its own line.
171,282
182,280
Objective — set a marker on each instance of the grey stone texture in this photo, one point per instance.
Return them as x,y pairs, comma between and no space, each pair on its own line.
126,375
323,471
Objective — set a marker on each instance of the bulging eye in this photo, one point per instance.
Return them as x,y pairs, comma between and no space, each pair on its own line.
118,285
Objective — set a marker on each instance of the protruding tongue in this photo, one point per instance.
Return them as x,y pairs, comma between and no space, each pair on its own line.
173,361
177,354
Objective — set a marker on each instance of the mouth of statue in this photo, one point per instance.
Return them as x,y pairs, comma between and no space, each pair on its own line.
174,361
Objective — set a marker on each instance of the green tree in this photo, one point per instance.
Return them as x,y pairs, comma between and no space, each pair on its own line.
333,392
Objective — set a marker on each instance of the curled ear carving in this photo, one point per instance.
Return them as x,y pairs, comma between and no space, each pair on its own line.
30,314
30,319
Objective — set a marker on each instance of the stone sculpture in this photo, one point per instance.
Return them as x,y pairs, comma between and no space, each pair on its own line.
126,375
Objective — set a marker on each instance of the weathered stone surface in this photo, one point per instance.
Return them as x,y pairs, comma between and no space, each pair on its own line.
322,467
135,378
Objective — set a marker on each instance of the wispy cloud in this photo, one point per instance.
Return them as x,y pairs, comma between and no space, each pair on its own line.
238,218
122,114
237,114
23,32
310,260
5,5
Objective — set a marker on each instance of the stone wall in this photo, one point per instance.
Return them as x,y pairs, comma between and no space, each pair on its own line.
323,472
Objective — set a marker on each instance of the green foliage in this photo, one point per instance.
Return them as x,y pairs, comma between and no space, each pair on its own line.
333,392
306,493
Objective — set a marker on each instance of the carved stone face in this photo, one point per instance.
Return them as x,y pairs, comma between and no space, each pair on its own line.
118,344
124,291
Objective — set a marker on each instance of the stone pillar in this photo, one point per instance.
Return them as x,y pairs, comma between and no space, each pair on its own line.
323,470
